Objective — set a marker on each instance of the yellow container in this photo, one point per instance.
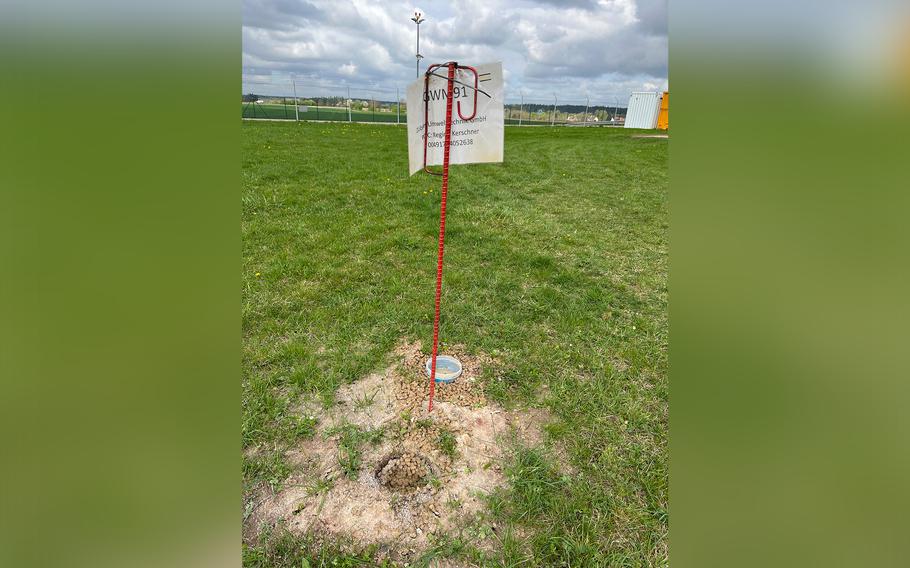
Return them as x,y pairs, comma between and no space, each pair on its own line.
663,118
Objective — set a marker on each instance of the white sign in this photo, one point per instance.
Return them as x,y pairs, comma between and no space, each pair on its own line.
473,141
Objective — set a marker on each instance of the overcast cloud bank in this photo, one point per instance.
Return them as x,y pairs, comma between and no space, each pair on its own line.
604,49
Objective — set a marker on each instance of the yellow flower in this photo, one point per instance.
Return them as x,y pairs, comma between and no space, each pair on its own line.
257,275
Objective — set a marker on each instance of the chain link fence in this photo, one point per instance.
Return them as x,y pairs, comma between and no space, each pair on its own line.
557,111
312,101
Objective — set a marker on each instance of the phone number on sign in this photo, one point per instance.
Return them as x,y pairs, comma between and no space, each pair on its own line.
462,142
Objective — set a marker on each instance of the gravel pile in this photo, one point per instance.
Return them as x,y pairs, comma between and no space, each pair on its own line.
405,471
412,387
414,391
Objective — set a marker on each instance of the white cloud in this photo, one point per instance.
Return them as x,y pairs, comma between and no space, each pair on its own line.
598,48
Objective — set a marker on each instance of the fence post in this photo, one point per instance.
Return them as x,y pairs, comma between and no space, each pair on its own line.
520,107
296,104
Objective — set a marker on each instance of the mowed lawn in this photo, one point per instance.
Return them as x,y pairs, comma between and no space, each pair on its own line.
556,264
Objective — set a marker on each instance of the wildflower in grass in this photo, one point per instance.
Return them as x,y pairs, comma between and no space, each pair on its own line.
258,274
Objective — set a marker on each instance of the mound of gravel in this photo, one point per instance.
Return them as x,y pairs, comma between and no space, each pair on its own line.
405,471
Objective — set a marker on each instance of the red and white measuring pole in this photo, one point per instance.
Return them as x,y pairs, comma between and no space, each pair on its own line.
451,66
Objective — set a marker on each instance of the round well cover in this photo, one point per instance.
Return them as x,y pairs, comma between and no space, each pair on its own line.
448,368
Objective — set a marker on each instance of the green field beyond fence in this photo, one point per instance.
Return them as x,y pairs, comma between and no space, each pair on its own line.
286,112
389,113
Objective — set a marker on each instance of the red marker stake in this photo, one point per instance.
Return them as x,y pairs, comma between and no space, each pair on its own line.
442,227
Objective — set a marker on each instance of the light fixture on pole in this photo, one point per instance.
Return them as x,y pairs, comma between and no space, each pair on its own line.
418,19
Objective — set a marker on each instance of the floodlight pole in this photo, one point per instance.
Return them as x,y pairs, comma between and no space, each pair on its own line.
349,104
296,105
553,121
587,103
398,99
418,19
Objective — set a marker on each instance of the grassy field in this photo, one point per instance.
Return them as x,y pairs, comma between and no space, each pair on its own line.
556,262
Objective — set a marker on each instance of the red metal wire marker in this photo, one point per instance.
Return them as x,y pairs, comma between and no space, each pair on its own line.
442,225
452,66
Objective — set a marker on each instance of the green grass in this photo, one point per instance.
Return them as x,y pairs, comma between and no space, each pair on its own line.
280,548
556,264
447,443
350,447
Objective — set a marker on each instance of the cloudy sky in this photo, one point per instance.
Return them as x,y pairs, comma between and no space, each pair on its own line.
603,49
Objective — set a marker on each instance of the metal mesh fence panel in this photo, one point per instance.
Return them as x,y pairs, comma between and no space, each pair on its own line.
285,98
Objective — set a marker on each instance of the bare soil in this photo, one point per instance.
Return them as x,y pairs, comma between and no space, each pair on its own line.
426,476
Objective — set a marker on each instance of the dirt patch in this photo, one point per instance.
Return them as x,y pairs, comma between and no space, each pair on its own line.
382,470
